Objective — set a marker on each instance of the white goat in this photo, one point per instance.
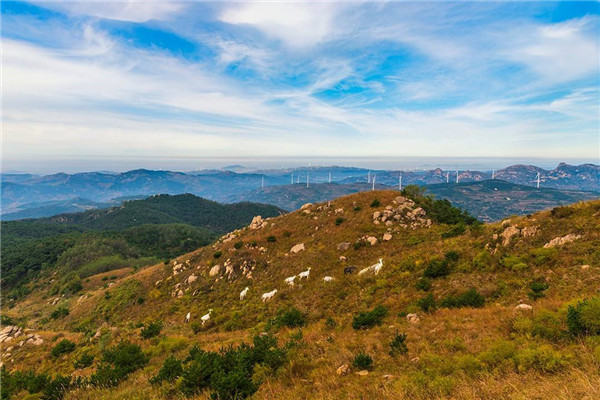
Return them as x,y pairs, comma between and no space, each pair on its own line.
206,317
290,280
364,270
328,279
243,293
377,267
187,317
304,274
269,295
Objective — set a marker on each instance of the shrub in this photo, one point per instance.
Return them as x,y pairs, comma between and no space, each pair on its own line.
141,300
238,245
59,312
451,256
171,370
398,345
515,263
271,239
437,268
151,330
547,325
362,361
542,359
84,361
470,298
229,373
56,388
423,284
217,254
117,363
196,327
544,257
375,203
291,318
368,319
562,212
454,231
537,289
357,208
339,221
584,318
63,347
427,303
330,323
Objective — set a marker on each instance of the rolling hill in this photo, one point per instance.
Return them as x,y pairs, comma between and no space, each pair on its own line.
438,320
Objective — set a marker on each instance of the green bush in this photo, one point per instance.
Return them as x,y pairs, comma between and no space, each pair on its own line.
368,319
470,298
117,363
339,221
562,212
84,361
362,361
172,369
357,208
238,245
217,254
375,203
584,318
454,231
151,330
537,290
544,256
541,359
228,374
271,239
427,303
423,284
451,256
437,268
398,345
59,312
63,347
291,318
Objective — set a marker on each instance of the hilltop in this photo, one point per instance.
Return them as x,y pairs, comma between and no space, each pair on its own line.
447,282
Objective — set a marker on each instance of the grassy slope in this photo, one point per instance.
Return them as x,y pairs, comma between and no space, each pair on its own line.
445,350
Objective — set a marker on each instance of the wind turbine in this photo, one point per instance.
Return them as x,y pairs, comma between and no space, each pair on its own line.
292,180
374,176
537,180
447,176
493,174
262,182
330,177
456,175
400,182
307,179
369,176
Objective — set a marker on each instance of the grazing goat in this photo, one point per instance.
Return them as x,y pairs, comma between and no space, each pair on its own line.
187,317
328,279
206,317
349,270
290,280
269,295
304,274
243,293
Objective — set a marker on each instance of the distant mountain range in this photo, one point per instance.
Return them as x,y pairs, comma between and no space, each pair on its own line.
26,195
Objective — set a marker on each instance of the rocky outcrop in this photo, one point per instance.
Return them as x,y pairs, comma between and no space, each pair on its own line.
508,234
402,213
560,241
9,333
413,318
257,223
343,246
343,369
387,237
297,248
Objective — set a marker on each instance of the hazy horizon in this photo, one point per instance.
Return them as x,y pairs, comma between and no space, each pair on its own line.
46,167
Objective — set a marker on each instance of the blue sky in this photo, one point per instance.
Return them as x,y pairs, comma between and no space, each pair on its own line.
220,79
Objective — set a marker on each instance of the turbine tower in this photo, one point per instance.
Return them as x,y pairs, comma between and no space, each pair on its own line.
262,182
537,180
400,182
307,178
369,176
493,174
447,176
330,177
292,180
457,175
374,176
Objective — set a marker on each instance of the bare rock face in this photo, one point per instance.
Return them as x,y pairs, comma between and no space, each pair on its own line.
372,240
343,246
530,231
508,234
297,248
343,369
9,332
413,318
306,206
559,241
257,223
364,372
191,279
214,270
524,307
387,237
